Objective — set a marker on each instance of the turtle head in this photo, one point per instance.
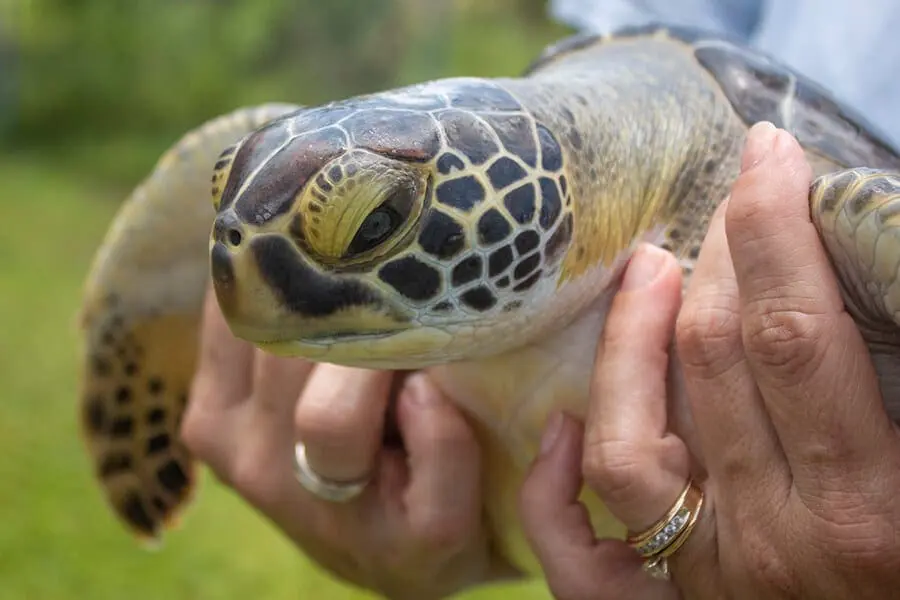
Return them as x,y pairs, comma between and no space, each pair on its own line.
341,235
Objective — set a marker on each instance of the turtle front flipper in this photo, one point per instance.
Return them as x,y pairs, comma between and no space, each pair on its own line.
139,324
857,212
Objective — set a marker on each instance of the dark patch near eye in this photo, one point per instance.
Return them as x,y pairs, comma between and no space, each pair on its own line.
277,184
520,203
505,171
335,174
323,183
314,208
442,306
155,416
172,477
406,135
411,278
448,162
123,395
469,269
479,298
133,510
442,236
158,443
351,169
95,414
511,306
493,227
463,193
318,195
115,463
551,154
559,240
499,260
468,135
528,283
502,282
527,241
551,204
122,427
526,266
481,95
155,385
516,135
300,288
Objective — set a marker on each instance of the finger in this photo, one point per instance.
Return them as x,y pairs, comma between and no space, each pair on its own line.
559,530
340,419
443,499
637,468
222,383
224,372
809,359
739,444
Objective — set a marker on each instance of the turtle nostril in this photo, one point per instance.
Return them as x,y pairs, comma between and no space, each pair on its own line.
234,237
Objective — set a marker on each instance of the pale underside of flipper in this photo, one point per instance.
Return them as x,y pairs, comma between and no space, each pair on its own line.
139,323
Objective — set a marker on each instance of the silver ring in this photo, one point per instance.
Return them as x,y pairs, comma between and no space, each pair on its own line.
326,489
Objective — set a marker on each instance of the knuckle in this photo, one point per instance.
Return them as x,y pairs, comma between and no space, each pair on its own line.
708,338
613,469
858,538
786,342
767,567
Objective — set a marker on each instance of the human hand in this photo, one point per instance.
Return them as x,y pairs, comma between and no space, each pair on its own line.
416,531
801,460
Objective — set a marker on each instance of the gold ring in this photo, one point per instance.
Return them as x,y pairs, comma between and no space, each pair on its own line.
662,539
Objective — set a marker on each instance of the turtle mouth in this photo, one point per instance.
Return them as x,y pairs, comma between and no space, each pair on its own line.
329,339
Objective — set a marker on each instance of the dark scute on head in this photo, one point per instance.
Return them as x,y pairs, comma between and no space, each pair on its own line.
411,278
520,203
468,269
442,306
493,227
505,172
502,282
254,149
275,187
448,162
463,193
559,240
482,95
551,154
499,260
479,298
406,135
442,236
301,288
468,135
172,477
517,136
526,266
527,241
757,86
136,514
528,283
551,203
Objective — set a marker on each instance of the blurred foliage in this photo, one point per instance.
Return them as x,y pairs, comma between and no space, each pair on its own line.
99,70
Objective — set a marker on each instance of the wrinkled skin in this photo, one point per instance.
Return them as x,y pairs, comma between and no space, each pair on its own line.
802,462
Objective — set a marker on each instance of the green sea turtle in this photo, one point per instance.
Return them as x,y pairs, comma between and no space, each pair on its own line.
474,227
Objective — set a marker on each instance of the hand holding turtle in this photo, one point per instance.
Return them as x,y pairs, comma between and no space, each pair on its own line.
414,531
801,459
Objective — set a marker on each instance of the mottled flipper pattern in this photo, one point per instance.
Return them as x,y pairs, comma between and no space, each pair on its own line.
140,326
857,212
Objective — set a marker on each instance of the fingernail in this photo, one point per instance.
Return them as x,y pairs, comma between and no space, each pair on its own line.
551,432
645,265
760,140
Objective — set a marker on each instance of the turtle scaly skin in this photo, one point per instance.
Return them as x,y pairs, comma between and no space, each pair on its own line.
477,227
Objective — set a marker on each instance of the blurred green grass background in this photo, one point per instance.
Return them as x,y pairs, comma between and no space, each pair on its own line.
91,93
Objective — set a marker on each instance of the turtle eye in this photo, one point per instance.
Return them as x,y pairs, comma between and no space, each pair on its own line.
382,222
